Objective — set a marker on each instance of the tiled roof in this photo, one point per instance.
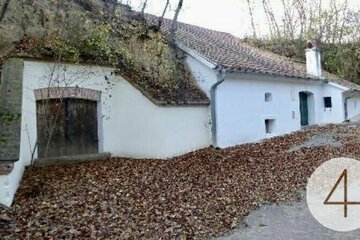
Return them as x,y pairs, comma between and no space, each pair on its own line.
229,52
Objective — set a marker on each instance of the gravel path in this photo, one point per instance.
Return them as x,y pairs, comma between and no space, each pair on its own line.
285,222
293,221
321,140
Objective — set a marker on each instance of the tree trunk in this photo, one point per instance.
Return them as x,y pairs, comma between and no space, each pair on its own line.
143,8
174,22
252,19
271,18
163,14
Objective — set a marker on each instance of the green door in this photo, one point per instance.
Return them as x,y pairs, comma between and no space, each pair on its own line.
304,115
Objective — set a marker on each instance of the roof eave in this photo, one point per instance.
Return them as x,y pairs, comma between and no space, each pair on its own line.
339,86
207,62
259,75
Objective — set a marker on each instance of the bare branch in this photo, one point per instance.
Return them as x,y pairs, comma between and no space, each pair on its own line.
143,8
4,9
252,18
174,22
163,13
271,18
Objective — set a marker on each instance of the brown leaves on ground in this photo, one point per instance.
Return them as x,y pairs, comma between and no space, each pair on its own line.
198,195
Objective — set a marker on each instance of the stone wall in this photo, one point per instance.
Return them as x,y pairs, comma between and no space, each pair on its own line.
10,113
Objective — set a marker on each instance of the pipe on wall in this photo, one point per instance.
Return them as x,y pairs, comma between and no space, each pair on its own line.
221,75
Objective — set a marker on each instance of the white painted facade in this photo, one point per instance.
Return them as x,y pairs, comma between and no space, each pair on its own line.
129,124
241,109
204,74
246,107
353,107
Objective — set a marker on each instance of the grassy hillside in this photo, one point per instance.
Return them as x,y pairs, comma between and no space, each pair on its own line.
88,31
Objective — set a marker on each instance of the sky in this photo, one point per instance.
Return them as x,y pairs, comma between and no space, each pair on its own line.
230,16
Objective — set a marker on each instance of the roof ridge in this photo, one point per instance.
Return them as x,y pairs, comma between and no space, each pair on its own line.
188,24
228,51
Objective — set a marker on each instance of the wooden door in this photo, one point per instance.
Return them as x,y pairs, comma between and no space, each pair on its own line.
66,127
304,110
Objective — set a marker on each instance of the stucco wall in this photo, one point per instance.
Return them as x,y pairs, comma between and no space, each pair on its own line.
146,130
242,110
10,182
205,76
336,114
353,106
129,125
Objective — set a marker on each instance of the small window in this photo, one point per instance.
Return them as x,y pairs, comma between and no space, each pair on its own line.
355,104
269,126
268,97
327,102
293,115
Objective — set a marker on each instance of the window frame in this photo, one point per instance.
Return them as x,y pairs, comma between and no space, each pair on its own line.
328,102
270,126
268,97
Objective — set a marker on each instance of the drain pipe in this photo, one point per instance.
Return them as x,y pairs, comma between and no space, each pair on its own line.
221,75
346,109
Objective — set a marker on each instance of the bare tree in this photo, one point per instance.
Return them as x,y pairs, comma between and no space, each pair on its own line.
143,8
332,21
300,6
273,25
4,9
252,18
174,22
163,13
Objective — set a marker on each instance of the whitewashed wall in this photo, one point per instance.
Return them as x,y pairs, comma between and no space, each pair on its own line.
205,76
129,125
353,106
242,110
9,183
337,113
241,105
145,130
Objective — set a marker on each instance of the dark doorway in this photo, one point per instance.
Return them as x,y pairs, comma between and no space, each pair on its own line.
304,109
66,127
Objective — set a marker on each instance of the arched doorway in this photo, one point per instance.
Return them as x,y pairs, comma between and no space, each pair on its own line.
306,100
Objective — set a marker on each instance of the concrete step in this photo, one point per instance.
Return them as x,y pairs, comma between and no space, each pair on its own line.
72,159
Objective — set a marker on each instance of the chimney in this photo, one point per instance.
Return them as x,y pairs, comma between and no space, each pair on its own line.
313,60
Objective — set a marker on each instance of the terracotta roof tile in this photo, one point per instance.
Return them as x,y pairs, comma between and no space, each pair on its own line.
227,51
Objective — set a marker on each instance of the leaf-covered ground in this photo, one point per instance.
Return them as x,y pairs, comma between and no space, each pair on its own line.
199,195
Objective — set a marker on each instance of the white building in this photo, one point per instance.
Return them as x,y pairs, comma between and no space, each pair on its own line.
94,116
253,95
256,94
